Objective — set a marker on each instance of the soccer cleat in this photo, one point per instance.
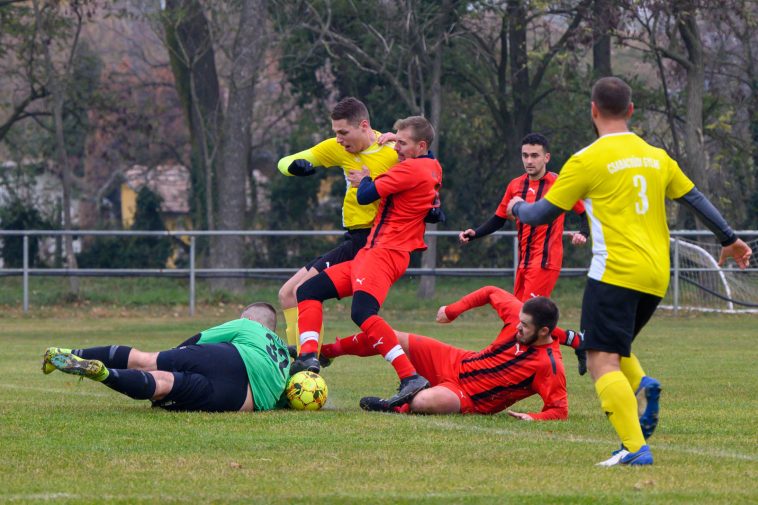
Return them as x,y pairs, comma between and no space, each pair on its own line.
307,361
322,360
47,366
625,458
72,364
648,394
375,404
409,387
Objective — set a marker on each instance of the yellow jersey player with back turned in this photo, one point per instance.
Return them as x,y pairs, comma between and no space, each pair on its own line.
354,146
623,182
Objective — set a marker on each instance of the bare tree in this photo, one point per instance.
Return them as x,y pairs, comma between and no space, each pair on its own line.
57,77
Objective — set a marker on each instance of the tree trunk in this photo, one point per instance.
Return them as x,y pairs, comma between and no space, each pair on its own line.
190,49
56,83
248,55
427,285
695,155
601,38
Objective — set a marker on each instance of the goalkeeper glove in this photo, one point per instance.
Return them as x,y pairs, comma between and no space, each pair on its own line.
581,358
301,168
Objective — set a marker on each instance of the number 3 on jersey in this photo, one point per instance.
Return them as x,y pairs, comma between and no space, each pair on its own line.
642,204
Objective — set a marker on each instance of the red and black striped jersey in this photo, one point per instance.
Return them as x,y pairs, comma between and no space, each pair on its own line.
408,191
506,371
539,246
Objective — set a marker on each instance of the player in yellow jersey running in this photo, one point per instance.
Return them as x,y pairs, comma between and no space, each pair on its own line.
353,147
624,182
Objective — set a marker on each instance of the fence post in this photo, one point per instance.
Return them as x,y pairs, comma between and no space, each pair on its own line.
192,276
26,274
515,258
676,276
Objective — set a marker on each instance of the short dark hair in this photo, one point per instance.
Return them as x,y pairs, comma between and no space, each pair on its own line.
533,139
421,128
352,109
543,310
262,312
612,96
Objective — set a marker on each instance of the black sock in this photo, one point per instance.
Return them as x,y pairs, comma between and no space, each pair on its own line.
133,383
112,356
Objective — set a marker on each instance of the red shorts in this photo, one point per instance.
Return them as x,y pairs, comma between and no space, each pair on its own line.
372,270
534,282
439,363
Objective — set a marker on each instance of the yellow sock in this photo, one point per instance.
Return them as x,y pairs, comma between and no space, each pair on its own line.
293,336
632,370
619,404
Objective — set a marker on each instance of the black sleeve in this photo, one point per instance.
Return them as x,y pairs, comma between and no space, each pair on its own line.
707,213
541,212
490,226
190,341
367,192
584,225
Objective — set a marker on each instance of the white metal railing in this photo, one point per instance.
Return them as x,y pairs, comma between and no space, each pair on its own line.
192,272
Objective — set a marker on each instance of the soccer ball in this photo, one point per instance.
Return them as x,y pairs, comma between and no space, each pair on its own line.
306,391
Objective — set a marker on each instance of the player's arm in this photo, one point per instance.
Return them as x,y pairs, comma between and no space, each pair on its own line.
190,341
733,247
367,192
540,212
300,164
573,339
551,386
506,305
584,225
488,227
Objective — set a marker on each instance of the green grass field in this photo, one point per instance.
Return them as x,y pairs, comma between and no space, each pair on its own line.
79,442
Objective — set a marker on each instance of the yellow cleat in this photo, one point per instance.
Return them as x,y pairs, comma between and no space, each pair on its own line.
72,364
47,366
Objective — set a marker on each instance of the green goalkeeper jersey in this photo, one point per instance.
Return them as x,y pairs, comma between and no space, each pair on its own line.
264,354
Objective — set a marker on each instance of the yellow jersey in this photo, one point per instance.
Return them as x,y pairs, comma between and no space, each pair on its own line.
624,182
329,153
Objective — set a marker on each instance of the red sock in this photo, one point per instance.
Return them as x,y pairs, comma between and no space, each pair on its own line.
382,338
403,409
309,321
354,345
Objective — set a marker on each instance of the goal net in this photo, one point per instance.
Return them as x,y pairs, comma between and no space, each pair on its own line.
703,286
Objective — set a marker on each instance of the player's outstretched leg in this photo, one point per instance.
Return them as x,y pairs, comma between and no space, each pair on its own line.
72,364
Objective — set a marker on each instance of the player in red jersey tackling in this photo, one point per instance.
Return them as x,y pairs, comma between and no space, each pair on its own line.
409,192
540,247
522,361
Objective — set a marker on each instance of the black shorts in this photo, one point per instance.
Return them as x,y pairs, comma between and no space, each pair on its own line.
612,316
354,241
207,377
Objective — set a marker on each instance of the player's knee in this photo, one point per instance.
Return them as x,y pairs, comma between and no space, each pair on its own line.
430,401
318,288
364,306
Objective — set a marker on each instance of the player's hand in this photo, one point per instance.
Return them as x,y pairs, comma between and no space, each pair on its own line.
466,236
441,316
520,415
386,137
740,251
509,208
301,168
578,239
581,359
356,176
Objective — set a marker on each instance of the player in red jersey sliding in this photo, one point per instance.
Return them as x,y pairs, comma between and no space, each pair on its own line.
408,191
540,247
523,360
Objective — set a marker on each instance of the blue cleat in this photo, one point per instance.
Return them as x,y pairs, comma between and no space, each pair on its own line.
625,458
647,404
